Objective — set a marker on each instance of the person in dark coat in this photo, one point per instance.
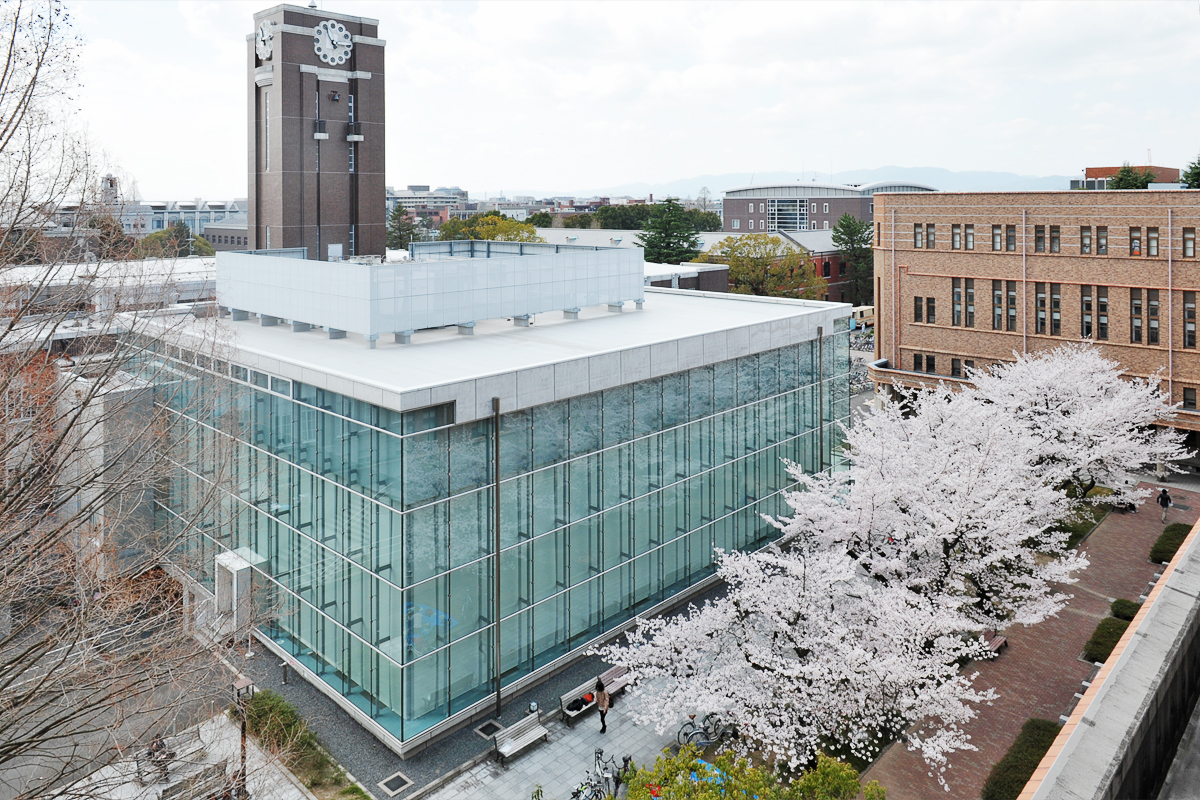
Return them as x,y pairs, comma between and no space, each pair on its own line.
602,704
1163,500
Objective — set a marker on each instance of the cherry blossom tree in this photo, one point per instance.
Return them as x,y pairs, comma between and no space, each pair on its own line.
849,630
1090,425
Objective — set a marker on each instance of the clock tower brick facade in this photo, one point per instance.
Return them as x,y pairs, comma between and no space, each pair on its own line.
316,138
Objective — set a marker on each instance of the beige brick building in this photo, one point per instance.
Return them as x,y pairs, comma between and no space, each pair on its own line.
965,280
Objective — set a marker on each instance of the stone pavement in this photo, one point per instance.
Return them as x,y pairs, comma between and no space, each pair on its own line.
561,763
1039,673
266,779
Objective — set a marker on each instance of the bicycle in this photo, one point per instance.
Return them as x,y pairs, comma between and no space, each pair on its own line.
710,731
604,779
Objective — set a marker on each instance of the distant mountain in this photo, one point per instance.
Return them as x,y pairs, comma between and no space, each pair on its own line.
943,179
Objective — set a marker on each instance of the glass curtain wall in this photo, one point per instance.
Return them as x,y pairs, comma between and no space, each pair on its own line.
375,527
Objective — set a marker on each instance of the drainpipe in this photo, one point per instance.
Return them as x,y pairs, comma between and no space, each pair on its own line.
496,543
1025,287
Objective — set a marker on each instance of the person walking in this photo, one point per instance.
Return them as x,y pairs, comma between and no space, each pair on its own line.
603,702
1163,500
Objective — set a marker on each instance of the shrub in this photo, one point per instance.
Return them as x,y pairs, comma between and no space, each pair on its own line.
1012,772
354,790
279,726
1104,639
1124,609
1170,540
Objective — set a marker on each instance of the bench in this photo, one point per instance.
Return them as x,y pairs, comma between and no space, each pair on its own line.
186,746
518,736
614,681
994,641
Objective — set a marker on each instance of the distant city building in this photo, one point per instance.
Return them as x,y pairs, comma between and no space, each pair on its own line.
803,206
421,198
316,133
228,234
140,218
1097,177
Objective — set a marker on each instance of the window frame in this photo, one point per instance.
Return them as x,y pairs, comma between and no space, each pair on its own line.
956,237
1085,240
968,237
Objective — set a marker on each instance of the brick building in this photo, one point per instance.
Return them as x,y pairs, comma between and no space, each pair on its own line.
965,280
803,206
1097,177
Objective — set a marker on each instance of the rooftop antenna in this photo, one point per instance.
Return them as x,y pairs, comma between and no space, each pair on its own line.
312,3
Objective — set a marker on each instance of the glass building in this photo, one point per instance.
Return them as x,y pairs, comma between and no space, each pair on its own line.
372,526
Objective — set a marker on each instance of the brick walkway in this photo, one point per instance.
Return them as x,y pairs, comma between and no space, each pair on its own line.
1040,671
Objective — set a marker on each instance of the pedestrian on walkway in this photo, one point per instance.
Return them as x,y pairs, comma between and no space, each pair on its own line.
1163,500
603,701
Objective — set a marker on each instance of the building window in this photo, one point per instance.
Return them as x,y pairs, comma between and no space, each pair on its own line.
814,208
1085,240
1012,305
955,237
1151,241
1189,242
1055,239
969,235
956,368
825,269
762,224
1101,312
929,240
825,224
930,364
1039,239
350,152
1056,309
997,305
1010,238
956,304
750,224
930,317
737,225
918,362
1189,399
1189,319
969,366
1085,327
751,209
1039,290
1102,241
969,289
762,208
841,267
825,208
878,233
266,131
996,237
1152,316
1135,316
1135,241
918,309
918,235
352,241
872,208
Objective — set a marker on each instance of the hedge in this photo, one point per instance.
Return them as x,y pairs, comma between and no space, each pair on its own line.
1124,609
1104,639
1012,772
1170,540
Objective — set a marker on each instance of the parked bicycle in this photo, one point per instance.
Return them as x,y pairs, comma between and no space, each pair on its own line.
712,729
604,779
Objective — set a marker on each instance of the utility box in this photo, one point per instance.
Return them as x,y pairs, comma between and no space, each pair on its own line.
235,585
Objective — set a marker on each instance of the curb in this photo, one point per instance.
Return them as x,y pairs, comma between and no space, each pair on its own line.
442,780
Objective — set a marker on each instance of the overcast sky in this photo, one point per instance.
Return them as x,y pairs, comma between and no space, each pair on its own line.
577,96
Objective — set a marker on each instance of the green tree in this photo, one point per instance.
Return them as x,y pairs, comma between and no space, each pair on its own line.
623,218
765,265
704,220
852,237
401,228
490,225
669,236
1191,175
176,241
671,779
542,219
578,220
1128,177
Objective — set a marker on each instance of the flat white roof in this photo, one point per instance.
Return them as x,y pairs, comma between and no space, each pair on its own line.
553,359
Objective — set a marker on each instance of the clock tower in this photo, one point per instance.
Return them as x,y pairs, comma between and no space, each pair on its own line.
316,144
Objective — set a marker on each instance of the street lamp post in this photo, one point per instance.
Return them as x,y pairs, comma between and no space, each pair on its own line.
243,690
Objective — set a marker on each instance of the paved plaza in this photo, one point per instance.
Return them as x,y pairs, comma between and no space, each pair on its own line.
561,763
1041,670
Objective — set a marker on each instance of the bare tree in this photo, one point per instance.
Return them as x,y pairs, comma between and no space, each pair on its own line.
106,398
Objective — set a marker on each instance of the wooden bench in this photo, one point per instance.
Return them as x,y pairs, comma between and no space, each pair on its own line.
994,641
518,736
614,681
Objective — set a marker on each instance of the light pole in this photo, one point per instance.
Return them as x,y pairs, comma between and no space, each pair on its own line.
243,690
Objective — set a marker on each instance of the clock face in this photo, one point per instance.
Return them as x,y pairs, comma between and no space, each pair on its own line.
263,40
332,42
